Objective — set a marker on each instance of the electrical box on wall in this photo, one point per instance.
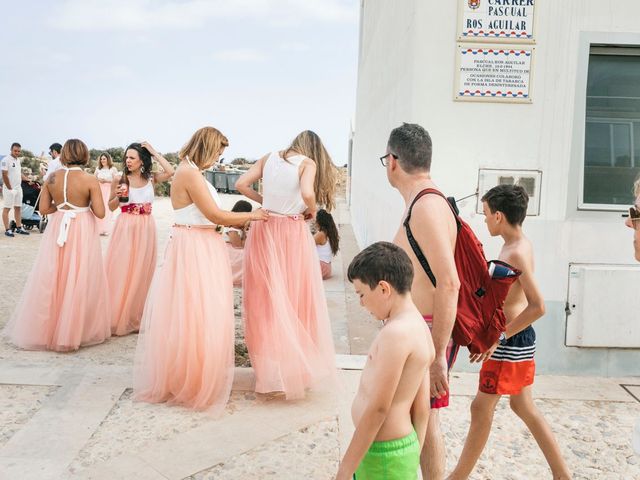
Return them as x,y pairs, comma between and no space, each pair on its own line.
530,180
602,306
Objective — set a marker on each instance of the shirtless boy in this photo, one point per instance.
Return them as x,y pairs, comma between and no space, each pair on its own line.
509,367
390,410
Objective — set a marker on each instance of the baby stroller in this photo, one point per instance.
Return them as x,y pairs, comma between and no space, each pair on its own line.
30,215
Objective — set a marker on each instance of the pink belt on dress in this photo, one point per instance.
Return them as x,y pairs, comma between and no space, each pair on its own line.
137,208
296,216
216,228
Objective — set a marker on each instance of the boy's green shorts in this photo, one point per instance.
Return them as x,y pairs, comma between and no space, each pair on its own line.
391,460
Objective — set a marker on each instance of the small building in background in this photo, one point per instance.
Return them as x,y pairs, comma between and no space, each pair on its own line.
545,94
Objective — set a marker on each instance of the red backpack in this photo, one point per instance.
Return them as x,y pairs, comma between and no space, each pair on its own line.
479,317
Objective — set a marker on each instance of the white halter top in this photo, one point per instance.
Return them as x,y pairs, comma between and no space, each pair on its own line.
281,185
324,252
191,215
68,213
142,195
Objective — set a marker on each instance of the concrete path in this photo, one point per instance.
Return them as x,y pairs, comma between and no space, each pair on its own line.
70,416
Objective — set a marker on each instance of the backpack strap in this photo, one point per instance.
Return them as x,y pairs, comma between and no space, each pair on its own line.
412,241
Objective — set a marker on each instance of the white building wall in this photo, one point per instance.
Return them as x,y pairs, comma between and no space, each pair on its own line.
406,74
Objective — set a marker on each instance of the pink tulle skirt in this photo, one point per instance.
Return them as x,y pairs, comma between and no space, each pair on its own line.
236,257
287,328
64,304
105,224
185,353
130,263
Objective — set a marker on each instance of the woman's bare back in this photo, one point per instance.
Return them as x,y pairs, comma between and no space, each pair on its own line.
78,187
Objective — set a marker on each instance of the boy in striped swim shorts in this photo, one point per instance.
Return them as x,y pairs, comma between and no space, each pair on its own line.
508,368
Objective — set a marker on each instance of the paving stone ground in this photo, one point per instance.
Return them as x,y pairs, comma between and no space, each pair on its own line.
68,416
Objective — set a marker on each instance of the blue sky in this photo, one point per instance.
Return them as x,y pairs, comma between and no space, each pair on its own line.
111,72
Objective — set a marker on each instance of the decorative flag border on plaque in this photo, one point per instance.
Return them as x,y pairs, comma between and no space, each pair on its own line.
488,21
494,73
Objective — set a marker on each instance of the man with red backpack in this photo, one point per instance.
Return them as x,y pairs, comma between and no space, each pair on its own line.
408,163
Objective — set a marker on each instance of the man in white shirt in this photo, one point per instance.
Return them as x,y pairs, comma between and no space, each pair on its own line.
54,164
12,177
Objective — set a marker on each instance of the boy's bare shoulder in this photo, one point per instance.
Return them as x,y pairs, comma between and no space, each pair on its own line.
519,255
404,323
402,331
393,331
392,344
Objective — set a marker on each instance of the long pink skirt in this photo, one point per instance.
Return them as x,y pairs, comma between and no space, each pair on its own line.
287,327
236,258
130,263
64,304
105,225
185,353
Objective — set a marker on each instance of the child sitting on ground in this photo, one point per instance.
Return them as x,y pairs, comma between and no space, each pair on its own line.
391,409
327,241
508,367
235,238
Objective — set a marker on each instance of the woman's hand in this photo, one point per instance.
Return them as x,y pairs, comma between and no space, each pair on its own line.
259,214
167,168
310,214
152,151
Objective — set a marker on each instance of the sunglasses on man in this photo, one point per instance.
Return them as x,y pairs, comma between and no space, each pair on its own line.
634,214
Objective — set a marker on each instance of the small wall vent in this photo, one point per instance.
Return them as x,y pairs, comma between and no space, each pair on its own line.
530,180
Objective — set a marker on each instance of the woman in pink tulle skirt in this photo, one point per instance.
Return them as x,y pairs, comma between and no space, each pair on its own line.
105,173
64,304
287,327
185,352
131,257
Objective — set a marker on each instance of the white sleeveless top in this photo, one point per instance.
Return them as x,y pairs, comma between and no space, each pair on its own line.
141,195
281,185
191,215
324,252
106,173
68,210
